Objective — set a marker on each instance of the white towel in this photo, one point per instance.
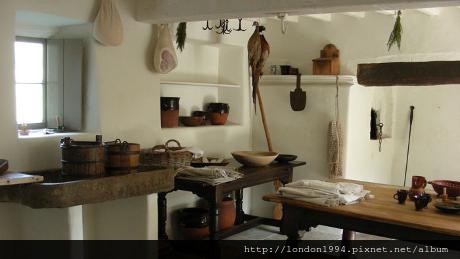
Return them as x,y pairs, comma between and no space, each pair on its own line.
212,175
324,193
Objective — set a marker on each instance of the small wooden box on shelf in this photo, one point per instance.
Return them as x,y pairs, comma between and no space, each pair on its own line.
328,63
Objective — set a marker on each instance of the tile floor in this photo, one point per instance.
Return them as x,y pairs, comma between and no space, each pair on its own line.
319,233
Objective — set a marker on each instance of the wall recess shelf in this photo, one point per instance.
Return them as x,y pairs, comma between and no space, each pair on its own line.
204,127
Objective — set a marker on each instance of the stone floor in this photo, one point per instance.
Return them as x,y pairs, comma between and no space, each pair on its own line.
319,233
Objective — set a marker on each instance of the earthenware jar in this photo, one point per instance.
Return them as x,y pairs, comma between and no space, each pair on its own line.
218,113
169,112
194,223
418,186
227,214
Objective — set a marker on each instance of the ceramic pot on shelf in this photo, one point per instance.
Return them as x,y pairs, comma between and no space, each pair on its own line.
218,113
169,112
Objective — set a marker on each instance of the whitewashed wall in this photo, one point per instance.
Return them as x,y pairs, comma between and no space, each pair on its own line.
122,101
363,40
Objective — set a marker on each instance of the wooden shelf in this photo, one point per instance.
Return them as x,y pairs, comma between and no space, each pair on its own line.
181,83
307,80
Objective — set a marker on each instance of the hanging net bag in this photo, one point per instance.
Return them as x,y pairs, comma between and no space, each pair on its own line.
335,141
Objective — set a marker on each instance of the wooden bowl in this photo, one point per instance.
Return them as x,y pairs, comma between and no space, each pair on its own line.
254,158
452,187
192,121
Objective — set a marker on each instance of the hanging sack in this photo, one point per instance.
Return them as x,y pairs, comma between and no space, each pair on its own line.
165,58
108,28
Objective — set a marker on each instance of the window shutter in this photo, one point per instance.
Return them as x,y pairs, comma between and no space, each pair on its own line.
64,83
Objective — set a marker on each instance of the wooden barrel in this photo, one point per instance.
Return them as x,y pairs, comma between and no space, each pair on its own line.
82,158
122,157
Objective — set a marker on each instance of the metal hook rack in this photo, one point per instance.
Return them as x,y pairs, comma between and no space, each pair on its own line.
223,27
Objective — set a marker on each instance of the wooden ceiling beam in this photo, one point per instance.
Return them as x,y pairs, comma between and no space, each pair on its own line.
409,73
170,11
325,17
358,15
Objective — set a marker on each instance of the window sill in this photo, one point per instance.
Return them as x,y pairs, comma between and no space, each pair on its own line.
41,133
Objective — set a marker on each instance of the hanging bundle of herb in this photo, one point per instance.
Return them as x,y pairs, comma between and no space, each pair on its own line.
395,36
181,35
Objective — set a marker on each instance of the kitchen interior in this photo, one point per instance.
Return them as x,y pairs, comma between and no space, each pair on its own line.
171,84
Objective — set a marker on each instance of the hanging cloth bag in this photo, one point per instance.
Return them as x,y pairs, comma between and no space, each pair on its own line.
165,58
108,28
335,141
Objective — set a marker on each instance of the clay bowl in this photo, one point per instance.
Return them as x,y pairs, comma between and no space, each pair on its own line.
194,217
218,113
192,121
254,158
452,187
218,118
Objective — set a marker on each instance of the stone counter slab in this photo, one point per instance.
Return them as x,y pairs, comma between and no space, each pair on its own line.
58,191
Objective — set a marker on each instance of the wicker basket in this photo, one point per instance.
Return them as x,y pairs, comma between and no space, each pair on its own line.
164,155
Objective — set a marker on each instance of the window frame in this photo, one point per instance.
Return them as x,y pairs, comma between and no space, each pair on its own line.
43,41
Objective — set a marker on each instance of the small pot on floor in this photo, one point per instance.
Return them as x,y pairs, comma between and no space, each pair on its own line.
194,223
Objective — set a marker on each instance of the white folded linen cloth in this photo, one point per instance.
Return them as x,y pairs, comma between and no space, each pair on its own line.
212,175
324,193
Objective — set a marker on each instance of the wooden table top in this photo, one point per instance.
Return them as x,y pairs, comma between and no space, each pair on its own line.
383,208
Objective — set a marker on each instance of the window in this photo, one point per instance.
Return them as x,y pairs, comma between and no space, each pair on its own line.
30,78
48,77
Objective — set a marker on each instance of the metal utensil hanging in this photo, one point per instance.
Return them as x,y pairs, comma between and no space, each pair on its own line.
411,119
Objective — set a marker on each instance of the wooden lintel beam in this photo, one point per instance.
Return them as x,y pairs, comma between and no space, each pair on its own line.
409,73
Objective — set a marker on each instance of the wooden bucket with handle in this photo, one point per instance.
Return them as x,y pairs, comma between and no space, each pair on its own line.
122,157
82,158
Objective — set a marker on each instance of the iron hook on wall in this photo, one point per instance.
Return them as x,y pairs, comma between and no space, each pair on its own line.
207,28
239,25
223,27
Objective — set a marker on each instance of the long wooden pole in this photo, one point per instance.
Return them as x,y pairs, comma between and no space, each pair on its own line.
278,210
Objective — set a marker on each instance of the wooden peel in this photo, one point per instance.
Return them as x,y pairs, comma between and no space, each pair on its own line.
278,210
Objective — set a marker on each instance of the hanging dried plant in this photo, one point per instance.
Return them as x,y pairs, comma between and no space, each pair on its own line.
181,35
395,36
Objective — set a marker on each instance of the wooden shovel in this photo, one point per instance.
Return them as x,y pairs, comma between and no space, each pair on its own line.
298,96
3,166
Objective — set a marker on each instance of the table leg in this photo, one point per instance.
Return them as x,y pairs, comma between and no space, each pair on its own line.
214,201
293,224
347,241
239,207
162,216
